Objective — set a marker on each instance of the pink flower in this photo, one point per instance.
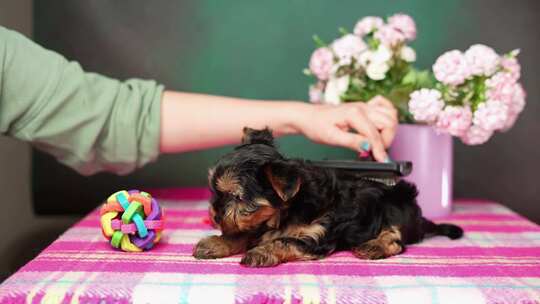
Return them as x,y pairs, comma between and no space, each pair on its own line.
476,136
316,92
451,68
482,60
512,118
512,67
518,98
515,107
367,25
389,36
501,87
405,24
425,105
491,115
321,63
455,120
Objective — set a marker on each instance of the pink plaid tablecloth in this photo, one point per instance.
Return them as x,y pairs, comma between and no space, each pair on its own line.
498,261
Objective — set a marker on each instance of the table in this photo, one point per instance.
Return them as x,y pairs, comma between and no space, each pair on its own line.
497,261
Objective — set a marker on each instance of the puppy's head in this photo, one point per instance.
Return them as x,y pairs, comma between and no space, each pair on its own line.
251,185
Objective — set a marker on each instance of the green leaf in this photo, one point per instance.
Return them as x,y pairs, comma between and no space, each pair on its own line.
357,84
401,80
343,31
373,43
512,53
319,42
410,77
467,98
424,79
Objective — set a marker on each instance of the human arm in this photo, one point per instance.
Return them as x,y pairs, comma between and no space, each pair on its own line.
87,121
196,121
93,123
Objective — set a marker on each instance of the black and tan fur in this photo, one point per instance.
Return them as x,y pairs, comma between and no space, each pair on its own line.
275,210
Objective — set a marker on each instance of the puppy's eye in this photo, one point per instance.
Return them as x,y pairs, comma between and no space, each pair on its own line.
245,213
249,210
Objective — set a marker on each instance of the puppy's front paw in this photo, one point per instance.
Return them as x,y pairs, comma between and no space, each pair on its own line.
211,247
257,257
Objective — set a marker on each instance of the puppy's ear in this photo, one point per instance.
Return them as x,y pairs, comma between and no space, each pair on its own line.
252,136
284,176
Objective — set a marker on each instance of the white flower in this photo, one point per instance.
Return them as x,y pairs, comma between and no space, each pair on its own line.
335,88
348,46
376,62
335,67
365,58
408,54
382,54
342,61
377,70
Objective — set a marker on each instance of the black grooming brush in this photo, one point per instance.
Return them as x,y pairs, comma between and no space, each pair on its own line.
387,173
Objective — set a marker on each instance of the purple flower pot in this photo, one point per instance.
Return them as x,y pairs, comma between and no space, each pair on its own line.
431,155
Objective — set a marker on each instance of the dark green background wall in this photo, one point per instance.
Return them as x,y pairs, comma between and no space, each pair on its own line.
257,49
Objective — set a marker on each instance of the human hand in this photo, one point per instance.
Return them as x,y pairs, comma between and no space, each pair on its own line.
360,126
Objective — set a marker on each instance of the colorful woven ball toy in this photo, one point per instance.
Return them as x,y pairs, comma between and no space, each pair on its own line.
132,220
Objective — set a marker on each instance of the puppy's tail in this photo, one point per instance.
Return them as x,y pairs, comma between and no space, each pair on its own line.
450,230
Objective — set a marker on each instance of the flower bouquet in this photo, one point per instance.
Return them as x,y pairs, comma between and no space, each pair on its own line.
476,94
469,95
373,60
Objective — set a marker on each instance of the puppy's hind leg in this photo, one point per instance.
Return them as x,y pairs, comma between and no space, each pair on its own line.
387,243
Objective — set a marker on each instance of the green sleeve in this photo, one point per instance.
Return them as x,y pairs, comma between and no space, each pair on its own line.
87,121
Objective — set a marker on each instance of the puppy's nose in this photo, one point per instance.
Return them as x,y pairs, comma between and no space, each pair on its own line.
217,219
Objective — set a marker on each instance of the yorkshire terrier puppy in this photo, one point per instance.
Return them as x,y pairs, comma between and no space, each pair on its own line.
277,210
